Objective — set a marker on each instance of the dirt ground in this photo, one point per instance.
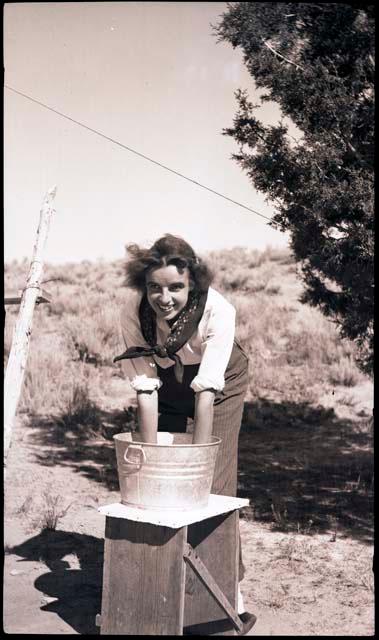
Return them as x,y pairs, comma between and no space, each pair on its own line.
307,536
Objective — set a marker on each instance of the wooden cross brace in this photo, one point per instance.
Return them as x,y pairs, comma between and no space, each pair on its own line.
198,566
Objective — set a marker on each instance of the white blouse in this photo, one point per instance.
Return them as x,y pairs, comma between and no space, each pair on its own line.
210,346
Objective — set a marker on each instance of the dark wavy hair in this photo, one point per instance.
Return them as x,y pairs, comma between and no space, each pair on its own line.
166,250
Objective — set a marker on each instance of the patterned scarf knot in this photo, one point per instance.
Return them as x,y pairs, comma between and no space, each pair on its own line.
161,351
182,328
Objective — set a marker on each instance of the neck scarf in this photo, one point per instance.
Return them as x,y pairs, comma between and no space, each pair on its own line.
182,328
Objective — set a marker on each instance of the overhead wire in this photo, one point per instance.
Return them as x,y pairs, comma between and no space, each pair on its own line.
124,146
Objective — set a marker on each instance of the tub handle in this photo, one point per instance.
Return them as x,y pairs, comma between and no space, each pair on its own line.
135,446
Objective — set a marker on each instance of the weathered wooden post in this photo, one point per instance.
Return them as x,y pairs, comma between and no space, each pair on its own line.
20,343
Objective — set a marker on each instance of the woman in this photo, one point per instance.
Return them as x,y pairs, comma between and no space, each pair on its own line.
182,358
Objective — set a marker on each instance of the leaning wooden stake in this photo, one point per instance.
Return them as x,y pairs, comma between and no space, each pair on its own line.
21,336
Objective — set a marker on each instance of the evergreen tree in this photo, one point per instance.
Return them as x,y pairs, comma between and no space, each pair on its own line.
316,60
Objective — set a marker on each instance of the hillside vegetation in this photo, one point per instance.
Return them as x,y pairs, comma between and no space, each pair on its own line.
295,352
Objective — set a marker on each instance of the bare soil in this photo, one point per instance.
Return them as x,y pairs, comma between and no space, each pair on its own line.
307,536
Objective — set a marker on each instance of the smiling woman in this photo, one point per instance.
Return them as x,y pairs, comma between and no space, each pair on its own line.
182,357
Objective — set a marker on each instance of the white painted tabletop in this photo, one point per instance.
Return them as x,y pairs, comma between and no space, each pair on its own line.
174,518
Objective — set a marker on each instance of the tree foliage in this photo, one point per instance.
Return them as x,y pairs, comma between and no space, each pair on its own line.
316,60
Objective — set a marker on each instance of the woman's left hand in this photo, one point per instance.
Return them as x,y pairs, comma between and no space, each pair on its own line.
203,416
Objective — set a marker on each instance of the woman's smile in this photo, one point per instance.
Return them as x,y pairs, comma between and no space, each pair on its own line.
166,308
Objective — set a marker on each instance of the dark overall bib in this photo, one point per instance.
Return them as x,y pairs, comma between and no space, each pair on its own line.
177,403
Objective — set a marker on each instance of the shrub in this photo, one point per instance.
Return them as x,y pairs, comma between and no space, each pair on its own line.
273,290
81,411
235,281
283,256
94,337
52,511
345,373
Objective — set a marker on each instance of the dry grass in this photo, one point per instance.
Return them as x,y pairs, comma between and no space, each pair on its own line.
293,349
53,510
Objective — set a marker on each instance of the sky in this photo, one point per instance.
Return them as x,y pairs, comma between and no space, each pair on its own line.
152,76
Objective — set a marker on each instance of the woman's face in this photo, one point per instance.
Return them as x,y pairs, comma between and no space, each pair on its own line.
167,290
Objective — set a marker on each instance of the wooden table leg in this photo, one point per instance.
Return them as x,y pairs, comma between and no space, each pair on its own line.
143,580
216,542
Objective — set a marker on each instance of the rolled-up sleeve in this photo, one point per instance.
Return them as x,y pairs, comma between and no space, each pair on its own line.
142,371
216,349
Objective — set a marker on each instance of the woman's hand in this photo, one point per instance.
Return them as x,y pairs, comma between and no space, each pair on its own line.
203,416
147,411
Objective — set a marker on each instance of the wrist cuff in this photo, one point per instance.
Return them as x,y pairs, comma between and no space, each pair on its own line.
143,383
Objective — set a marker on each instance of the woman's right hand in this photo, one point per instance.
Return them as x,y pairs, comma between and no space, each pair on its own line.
147,411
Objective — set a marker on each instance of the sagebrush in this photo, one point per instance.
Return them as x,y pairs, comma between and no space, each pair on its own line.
292,348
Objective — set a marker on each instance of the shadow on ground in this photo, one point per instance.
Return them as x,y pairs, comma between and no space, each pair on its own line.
77,591
83,440
306,470
302,467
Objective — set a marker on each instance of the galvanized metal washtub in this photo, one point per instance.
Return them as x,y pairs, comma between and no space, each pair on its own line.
172,474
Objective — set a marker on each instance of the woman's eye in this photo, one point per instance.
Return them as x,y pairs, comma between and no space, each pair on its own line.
176,287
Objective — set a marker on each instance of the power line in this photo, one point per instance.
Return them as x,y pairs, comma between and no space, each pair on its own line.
124,146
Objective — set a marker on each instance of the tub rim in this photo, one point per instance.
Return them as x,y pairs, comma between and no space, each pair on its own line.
117,436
